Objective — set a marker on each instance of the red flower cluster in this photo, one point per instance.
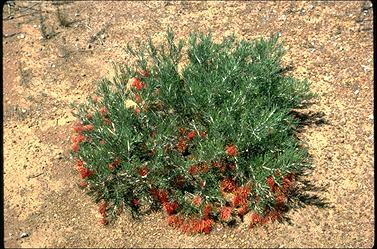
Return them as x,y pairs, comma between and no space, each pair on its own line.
84,172
161,195
255,219
270,182
77,139
191,135
95,98
227,186
114,164
102,210
170,207
135,202
288,181
197,200
181,145
137,98
175,221
231,150
83,184
193,170
240,196
137,111
207,210
137,83
197,226
143,171
226,213
198,168
203,134
103,110
219,165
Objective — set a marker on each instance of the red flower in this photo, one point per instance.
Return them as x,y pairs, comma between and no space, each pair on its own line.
255,219
102,220
137,83
240,195
175,221
181,145
111,166
207,210
137,98
193,170
88,127
137,110
243,210
84,172
280,200
231,150
161,195
201,226
102,208
228,185
107,121
117,162
103,110
170,207
78,128
83,184
287,181
77,138
197,200
80,163
203,134
191,135
237,200
95,98
270,182
135,202
219,165
75,147
205,168
143,171
273,215
206,226
226,213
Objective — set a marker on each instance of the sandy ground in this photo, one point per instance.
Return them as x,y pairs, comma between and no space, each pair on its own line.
330,43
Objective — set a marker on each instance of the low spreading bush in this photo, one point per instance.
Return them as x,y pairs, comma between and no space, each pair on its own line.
207,137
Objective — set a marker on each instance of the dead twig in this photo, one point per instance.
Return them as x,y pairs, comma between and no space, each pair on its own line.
35,175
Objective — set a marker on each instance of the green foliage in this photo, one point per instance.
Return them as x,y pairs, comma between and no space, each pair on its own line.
212,137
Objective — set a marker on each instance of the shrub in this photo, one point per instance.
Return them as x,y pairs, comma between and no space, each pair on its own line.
208,143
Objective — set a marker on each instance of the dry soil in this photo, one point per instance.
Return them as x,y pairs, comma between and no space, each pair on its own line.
54,51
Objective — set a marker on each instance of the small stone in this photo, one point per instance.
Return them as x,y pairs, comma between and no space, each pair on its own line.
24,235
103,36
282,18
89,46
21,36
77,14
371,117
357,92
